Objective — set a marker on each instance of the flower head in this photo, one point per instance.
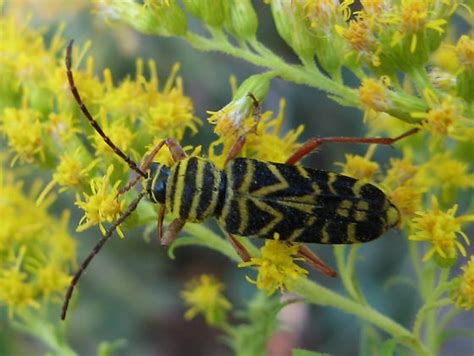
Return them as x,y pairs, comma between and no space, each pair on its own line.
465,51
15,291
441,229
444,118
24,132
325,14
466,291
360,167
102,205
204,296
373,95
276,266
71,172
416,15
36,250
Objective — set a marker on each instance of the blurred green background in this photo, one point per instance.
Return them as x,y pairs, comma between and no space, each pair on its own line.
131,290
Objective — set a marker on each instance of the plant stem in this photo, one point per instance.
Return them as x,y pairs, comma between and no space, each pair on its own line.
294,73
322,296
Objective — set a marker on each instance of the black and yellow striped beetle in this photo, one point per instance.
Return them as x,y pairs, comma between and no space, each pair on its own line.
254,198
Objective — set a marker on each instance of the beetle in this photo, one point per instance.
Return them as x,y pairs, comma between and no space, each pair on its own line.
253,198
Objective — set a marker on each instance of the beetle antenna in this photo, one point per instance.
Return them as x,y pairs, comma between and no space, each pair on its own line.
93,122
95,251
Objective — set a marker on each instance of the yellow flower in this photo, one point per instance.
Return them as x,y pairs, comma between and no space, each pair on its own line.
169,112
70,173
118,132
276,267
24,131
360,167
466,291
448,173
36,250
407,199
204,296
414,17
102,205
268,144
402,171
444,118
441,229
445,58
373,95
234,119
374,8
127,99
264,141
406,183
15,291
61,127
51,279
465,51
361,38
324,13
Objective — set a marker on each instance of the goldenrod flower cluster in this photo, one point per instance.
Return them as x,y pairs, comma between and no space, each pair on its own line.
276,267
36,250
413,69
204,296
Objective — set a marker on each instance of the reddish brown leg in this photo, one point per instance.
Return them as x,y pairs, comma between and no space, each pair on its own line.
172,232
239,248
315,142
237,146
161,217
313,260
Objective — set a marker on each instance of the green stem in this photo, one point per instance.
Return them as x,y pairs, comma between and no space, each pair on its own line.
208,238
322,296
51,335
415,258
346,271
421,80
294,73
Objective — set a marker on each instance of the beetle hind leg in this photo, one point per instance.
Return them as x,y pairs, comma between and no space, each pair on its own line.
239,248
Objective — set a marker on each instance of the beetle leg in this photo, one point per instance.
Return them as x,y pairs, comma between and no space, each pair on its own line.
315,142
159,227
237,146
239,248
313,260
172,232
